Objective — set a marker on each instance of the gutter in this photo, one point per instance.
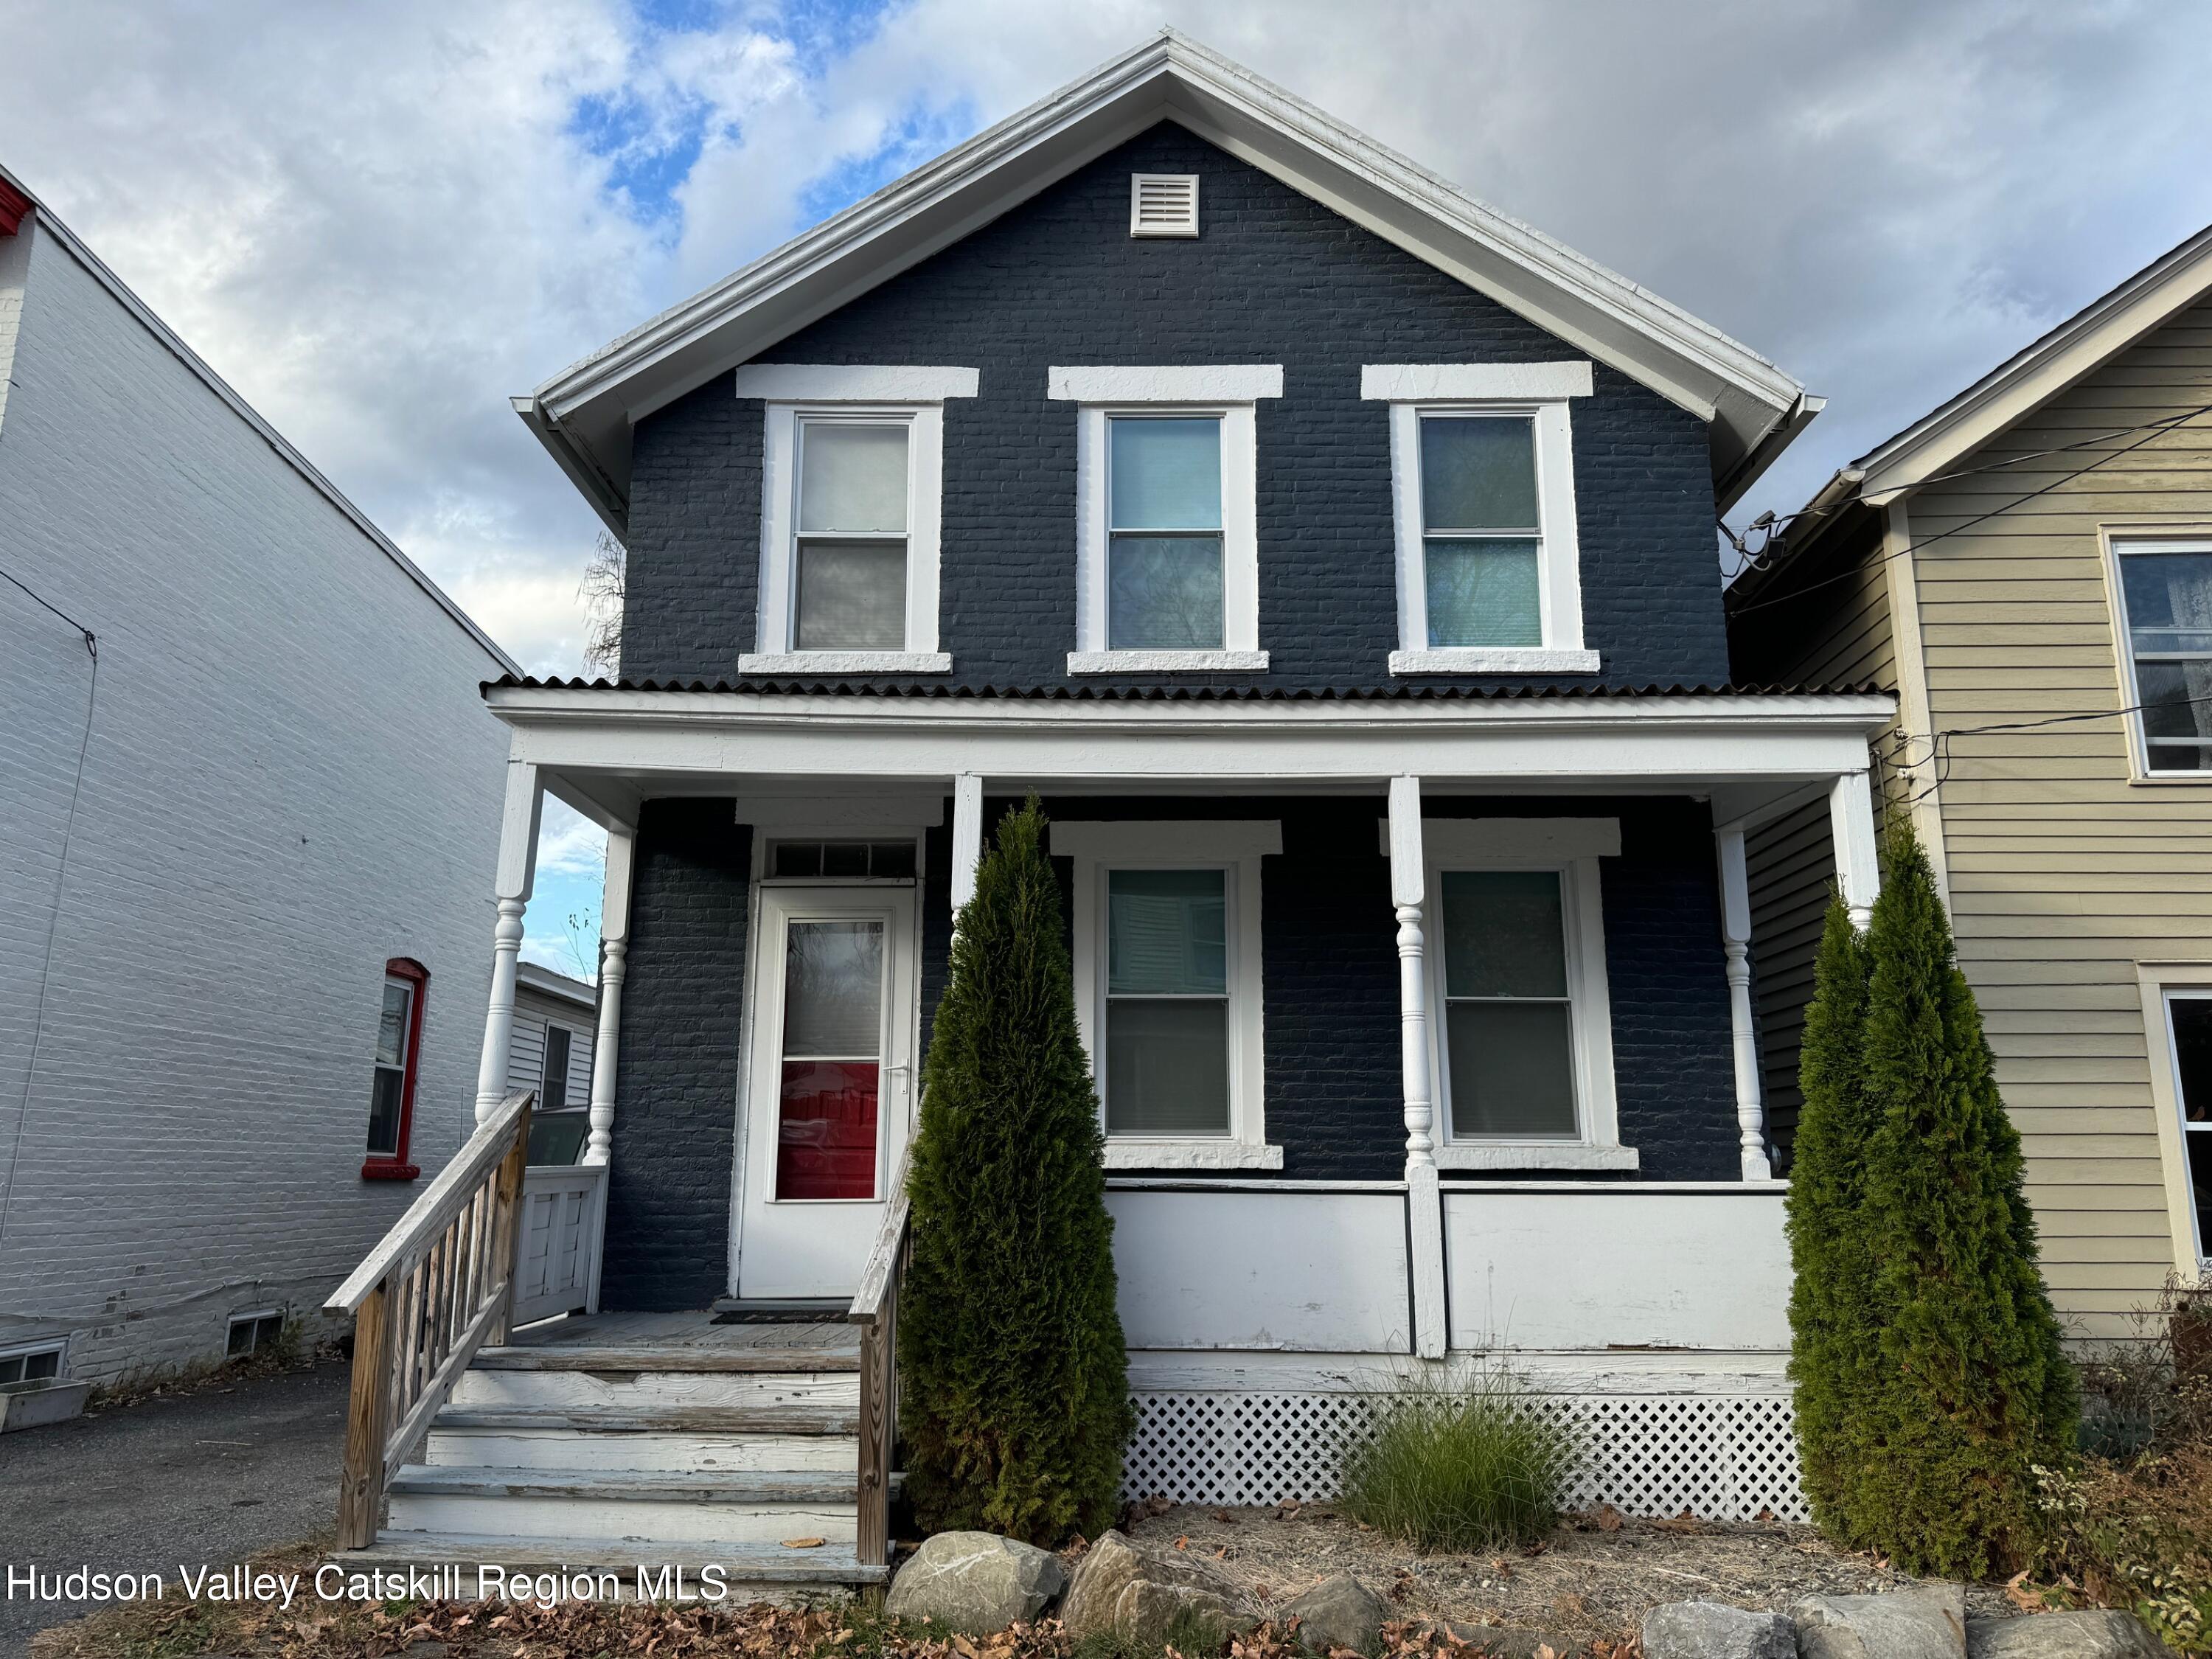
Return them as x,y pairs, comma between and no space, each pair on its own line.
1730,488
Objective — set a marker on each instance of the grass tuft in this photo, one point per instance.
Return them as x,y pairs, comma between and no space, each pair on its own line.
1462,1467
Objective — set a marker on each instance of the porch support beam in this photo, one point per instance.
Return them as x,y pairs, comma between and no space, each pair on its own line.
1423,1199
1851,819
518,866
614,948
1736,940
967,837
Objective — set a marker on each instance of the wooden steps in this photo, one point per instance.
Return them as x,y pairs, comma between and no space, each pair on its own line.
643,1445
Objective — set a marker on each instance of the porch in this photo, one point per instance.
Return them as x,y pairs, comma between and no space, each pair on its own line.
1348,1204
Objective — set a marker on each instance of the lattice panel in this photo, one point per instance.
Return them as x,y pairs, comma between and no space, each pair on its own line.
1720,1457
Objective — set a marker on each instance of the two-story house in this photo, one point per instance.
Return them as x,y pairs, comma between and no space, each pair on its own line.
1334,556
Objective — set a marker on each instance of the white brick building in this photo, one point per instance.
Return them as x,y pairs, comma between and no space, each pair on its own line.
274,777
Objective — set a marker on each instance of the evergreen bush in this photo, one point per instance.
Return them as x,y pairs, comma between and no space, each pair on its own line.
1014,1405
1835,1334
1974,1391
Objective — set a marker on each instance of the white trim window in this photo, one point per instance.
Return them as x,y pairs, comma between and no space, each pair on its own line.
29,1364
1521,1038
1167,991
1167,536
852,492
1483,506
2185,1022
2164,591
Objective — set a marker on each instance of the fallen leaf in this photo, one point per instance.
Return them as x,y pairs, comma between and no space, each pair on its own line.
804,1543
1504,1568
2017,1592
1605,1518
1183,1542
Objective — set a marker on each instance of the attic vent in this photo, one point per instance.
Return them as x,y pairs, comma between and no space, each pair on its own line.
1163,204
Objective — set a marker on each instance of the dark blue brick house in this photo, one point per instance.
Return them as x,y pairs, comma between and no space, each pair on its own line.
1334,557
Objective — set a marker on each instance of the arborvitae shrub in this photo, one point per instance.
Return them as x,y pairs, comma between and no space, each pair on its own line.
1835,1332
1013,1398
1972,1390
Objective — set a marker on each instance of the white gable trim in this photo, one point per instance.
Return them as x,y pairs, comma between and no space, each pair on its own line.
583,414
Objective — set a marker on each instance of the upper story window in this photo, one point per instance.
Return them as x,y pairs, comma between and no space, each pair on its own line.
391,1085
1167,534
851,487
1168,989
1482,464
2165,594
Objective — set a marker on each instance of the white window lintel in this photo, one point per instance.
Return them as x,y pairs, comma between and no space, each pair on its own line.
1429,383
1201,383
848,383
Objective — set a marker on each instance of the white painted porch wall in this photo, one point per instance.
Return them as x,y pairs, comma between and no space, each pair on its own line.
290,777
1588,1267
1229,1268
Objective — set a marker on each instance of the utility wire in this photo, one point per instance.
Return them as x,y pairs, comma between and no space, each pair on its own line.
2150,429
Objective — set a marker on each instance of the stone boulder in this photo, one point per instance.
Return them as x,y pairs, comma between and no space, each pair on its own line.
2098,1635
976,1582
1137,1592
1340,1611
1927,1623
1713,1630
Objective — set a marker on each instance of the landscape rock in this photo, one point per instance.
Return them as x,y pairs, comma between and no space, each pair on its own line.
1340,1611
1713,1630
2093,1635
976,1582
1927,1623
1137,1593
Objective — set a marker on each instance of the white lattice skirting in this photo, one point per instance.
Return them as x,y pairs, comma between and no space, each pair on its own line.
1719,1457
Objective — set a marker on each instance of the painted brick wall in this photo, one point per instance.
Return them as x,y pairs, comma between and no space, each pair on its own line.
668,1200
1273,277
288,776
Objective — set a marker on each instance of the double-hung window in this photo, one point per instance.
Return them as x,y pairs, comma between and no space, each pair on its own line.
391,1083
1168,987
1522,1027
2165,596
560,1125
1167,528
852,484
2177,1011
1484,503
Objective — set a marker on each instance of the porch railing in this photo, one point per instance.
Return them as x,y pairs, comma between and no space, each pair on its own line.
439,1286
556,1270
875,1310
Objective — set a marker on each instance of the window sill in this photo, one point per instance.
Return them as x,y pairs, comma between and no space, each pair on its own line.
1535,1155
1166,662
1127,1154
844,662
385,1168
1494,659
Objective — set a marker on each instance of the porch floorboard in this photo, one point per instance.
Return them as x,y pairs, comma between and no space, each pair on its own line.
694,1333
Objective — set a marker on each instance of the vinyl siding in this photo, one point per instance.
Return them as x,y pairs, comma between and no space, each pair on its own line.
1837,634
2063,873
526,1059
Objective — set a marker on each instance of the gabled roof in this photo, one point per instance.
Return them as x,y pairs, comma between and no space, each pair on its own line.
2078,347
44,218
583,415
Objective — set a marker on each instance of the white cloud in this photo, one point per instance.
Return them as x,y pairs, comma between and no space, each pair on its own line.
379,221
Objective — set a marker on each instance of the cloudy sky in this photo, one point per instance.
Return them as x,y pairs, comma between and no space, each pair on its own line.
380,221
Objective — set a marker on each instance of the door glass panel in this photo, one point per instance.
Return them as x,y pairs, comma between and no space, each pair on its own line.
831,1073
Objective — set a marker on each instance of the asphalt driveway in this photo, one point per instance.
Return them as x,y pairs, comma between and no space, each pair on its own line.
203,1477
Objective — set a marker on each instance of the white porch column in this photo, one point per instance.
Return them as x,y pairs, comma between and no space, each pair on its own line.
614,946
1736,939
1423,1199
967,838
1851,819
518,866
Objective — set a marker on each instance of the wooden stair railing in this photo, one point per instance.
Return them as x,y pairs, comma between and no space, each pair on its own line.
439,1286
875,1310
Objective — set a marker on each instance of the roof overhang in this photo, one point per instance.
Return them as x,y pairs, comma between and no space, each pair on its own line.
584,415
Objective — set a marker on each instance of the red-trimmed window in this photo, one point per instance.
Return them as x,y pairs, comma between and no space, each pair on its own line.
392,1094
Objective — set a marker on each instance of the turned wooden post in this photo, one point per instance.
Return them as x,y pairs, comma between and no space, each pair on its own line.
360,1482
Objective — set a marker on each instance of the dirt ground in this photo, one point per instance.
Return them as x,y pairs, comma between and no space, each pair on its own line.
1592,1578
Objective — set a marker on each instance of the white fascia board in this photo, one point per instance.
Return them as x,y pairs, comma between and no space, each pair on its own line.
1438,383
1207,383
2078,347
1169,76
854,383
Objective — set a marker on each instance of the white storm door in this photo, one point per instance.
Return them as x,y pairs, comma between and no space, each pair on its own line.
829,1084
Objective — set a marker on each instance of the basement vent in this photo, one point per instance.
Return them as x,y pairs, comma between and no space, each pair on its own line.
1163,204
21,1367
250,1333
